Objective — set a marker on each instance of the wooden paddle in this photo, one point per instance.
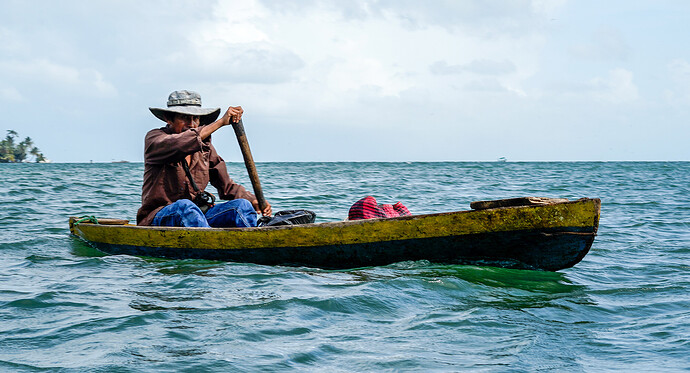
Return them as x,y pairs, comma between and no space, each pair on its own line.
249,162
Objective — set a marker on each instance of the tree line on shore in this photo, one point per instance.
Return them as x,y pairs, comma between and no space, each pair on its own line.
13,151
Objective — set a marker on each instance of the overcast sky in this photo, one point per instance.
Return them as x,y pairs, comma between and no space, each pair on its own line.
368,80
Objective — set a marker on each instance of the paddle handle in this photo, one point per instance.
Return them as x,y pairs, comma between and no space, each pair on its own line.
249,162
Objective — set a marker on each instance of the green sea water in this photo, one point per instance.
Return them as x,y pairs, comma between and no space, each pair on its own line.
70,308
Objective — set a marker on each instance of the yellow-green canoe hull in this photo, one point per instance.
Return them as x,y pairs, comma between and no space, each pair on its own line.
547,237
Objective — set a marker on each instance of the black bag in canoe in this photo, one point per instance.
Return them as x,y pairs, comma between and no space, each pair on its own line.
288,217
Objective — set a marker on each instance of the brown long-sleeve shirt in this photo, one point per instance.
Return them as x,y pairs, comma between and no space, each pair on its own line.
165,180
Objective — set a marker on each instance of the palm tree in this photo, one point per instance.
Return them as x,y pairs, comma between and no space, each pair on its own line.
20,150
7,147
6,153
11,135
38,156
9,152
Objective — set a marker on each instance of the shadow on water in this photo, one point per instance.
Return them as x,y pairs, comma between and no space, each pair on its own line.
481,275
550,282
80,248
482,286
490,286
199,267
491,277
505,288
164,266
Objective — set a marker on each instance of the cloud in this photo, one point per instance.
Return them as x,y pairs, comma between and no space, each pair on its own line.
482,18
10,42
485,85
481,66
679,70
617,87
232,48
11,94
464,69
258,63
606,44
678,90
44,73
364,53
345,10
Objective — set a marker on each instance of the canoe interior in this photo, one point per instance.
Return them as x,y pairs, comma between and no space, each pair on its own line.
543,237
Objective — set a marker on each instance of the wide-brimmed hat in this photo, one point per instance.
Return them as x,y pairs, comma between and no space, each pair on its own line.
189,103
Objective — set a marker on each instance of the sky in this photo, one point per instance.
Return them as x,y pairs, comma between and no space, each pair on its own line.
355,80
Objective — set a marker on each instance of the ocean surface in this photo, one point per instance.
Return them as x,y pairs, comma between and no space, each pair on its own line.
67,307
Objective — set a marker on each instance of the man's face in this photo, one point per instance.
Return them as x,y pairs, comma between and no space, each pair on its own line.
183,122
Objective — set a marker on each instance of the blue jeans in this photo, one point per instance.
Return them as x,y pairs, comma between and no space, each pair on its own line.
184,213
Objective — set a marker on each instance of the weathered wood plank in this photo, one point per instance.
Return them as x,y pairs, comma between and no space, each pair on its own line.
511,202
112,221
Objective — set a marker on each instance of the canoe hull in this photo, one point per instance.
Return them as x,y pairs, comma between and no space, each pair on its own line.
550,237
539,249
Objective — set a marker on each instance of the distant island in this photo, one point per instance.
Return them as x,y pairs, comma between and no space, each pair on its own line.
12,151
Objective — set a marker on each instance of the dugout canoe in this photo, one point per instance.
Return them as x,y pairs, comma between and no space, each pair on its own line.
526,233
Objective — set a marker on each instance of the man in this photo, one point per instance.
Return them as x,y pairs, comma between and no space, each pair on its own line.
185,141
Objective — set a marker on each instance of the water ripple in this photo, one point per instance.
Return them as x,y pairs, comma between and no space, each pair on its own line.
65,306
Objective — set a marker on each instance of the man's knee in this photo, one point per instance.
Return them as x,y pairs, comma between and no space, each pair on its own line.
239,205
244,205
186,205
247,214
235,213
190,214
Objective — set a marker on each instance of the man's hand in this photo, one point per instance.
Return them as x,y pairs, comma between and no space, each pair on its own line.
266,212
232,115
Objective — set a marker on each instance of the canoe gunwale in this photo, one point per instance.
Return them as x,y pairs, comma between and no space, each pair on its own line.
336,223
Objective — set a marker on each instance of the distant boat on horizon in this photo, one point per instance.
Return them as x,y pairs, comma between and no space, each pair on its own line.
502,159
119,162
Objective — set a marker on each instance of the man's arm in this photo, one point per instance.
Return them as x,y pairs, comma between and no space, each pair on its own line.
232,115
161,147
